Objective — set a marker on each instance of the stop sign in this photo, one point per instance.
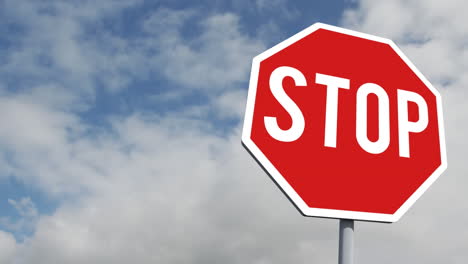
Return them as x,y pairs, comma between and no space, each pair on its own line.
344,124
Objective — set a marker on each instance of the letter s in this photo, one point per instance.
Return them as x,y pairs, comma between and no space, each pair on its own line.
276,86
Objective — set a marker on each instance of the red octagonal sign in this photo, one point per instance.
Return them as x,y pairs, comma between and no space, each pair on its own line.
344,124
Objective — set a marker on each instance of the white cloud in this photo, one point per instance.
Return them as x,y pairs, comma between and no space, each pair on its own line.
432,33
24,206
181,195
26,220
165,20
51,149
230,104
8,246
65,43
217,57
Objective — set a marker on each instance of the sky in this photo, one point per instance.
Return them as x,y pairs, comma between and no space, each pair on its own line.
121,123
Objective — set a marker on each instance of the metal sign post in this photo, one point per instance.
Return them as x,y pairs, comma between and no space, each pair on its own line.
346,243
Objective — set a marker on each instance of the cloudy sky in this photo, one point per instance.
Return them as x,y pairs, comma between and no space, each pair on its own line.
120,133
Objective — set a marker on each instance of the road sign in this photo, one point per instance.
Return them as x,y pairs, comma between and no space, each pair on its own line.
344,124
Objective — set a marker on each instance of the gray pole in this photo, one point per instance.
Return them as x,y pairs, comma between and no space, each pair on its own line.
346,246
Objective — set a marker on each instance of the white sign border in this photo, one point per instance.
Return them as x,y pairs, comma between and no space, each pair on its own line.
279,179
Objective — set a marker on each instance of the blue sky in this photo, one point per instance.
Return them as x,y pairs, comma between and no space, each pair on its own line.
121,132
